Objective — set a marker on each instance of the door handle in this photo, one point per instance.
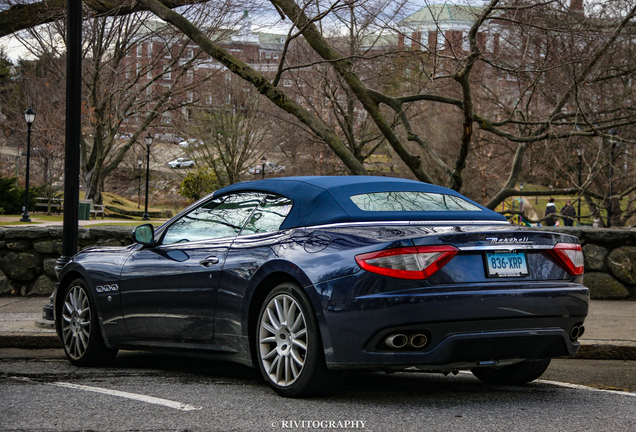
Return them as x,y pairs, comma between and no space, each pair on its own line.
209,261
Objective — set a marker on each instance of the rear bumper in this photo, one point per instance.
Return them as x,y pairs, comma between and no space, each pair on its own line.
481,323
471,348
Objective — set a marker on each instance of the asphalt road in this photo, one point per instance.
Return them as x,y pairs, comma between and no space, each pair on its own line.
42,391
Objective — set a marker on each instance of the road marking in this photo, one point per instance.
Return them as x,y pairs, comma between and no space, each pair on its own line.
127,395
573,386
584,387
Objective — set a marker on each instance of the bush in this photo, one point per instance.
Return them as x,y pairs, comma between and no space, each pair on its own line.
12,196
197,184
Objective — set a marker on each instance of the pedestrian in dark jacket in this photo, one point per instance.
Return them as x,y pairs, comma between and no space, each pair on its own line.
550,213
568,210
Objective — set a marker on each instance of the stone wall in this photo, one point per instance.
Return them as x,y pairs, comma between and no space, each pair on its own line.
28,255
610,260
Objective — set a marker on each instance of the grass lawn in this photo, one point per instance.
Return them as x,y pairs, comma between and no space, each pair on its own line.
18,222
40,216
128,205
106,221
540,203
156,224
109,199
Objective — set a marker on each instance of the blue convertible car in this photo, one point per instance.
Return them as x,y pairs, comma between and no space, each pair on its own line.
306,277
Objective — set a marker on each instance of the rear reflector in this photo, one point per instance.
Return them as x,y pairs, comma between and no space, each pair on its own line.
407,263
570,256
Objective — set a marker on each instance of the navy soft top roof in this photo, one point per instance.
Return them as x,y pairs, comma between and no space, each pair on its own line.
325,200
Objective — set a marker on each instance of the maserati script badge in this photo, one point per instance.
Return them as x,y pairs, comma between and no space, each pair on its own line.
512,240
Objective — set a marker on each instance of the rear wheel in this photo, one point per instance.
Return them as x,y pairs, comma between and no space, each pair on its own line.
519,373
289,347
77,318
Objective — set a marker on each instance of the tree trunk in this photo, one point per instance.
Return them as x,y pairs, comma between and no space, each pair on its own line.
594,211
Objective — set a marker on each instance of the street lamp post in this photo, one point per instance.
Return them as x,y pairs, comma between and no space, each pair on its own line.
17,161
263,160
29,116
148,141
579,153
139,163
73,134
72,139
612,141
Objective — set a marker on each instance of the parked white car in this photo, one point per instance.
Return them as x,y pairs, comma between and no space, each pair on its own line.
270,167
181,163
190,143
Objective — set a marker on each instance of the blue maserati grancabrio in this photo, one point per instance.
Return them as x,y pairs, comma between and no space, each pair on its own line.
307,277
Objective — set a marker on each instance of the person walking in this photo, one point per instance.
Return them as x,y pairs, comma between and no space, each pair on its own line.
568,210
550,213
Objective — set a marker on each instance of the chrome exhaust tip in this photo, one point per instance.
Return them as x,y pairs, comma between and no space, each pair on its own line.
574,333
396,340
418,341
581,331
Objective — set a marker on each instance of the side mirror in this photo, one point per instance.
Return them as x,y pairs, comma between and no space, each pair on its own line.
144,234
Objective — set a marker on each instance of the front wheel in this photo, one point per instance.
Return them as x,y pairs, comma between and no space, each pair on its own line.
519,373
289,347
78,322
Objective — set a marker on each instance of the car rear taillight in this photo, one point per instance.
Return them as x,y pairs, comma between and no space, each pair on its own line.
570,256
407,263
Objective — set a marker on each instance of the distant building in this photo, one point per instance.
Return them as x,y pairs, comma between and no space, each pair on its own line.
178,69
442,27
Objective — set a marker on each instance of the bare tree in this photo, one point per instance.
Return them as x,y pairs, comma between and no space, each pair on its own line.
324,92
135,76
230,134
514,127
26,90
523,73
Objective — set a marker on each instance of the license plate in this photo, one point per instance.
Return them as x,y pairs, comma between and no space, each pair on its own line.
506,264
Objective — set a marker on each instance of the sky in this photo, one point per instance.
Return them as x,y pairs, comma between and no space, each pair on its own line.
12,47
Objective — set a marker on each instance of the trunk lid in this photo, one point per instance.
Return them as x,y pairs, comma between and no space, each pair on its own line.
497,254
487,254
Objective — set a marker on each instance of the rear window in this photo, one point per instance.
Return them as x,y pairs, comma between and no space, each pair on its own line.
411,202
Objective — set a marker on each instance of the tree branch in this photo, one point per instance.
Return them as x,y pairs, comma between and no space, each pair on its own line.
22,17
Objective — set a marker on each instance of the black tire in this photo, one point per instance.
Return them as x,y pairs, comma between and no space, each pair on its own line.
290,354
516,374
78,326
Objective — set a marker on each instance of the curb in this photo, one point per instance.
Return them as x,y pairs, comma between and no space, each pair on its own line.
30,341
45,324
606,350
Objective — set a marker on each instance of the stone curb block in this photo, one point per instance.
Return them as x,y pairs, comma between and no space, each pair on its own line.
30,341
602,350
45,324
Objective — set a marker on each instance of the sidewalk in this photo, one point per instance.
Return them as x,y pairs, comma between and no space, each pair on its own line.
18,316
610,328
82,223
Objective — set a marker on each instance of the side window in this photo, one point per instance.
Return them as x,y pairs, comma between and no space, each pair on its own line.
217,218
269,216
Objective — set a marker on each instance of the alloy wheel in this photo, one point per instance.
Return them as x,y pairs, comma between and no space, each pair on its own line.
283,340
76,325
